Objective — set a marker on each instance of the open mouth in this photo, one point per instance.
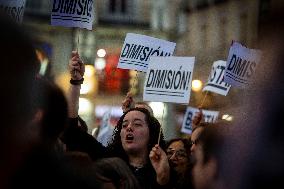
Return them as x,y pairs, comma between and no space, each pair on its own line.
129,137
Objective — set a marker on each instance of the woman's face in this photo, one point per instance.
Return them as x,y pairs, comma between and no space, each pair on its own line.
178,157
134,133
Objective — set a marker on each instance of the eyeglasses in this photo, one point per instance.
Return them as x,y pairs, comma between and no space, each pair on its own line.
178,153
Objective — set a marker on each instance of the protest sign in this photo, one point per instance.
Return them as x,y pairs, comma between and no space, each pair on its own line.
137,49
168,79
208,115
241,65
14,8
72,13
216,82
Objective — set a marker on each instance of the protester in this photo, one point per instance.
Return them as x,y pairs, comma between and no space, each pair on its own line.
134,138
178,152
207,157
19,67
115,173
254,155
195,135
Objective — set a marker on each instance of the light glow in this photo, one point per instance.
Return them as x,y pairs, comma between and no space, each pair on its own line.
101,53
196,85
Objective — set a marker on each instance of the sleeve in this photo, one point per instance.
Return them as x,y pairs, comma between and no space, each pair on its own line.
78,140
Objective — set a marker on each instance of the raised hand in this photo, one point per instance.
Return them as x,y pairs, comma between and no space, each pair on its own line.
161,165
76,66
128,102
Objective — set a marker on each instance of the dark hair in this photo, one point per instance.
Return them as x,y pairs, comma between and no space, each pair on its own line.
20,66
154,129
117,171
211,140
147,105
186,144
51,100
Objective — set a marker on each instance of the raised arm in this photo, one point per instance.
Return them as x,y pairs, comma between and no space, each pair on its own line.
77,70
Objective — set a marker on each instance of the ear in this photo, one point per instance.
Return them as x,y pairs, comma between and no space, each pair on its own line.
212,168
37,117
35,123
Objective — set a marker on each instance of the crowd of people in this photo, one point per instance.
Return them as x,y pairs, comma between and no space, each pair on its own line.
45,144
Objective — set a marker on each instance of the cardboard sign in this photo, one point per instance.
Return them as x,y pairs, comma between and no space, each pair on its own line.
14,8
72,13
208,115
168,79
216,82
241,65
137,49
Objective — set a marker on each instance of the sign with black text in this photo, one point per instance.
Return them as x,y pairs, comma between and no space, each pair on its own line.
14,8
208,116
168,79
72,13
216,82
137,50
241,65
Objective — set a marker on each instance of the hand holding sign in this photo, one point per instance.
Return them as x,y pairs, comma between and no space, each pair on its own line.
128,102
76,66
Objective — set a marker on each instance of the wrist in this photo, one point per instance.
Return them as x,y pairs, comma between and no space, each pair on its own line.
76,81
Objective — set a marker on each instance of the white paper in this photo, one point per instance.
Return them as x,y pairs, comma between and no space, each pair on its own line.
241,65
137,50
14,8
209,116
72,13
168,79
216,82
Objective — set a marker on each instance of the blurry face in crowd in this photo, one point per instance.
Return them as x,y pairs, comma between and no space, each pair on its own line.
135,132
202,173
177,156
194,138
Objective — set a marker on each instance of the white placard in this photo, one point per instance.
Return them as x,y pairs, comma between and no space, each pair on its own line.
137,49
14,8
216,82
72,13
168,79
241,65
208,116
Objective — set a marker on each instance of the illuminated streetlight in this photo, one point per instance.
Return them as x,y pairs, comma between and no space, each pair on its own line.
196,85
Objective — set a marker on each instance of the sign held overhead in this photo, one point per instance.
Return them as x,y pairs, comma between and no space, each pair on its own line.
137,50
241,65
72,13
168,79
216,82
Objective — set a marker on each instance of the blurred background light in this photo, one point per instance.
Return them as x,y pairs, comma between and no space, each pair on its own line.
158,109
101,53
196,85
